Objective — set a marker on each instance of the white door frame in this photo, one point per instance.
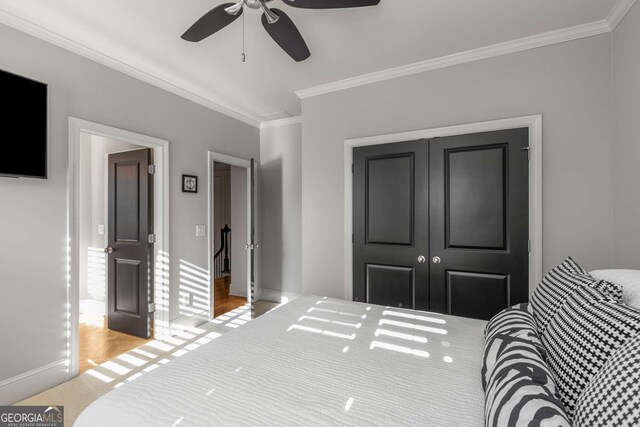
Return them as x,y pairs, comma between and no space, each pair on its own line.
161,227
233,161
534,123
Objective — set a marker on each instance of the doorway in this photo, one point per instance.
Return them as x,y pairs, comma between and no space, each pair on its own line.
117,243
232,236
413,240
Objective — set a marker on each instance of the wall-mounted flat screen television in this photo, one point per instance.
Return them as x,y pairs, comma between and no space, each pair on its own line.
23,126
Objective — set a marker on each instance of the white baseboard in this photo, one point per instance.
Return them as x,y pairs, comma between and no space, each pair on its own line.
187,321
238,290
276,295
25,385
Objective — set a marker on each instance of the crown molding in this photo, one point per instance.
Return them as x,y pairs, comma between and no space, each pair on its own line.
618,12
513,46
146,75
545,39
281,122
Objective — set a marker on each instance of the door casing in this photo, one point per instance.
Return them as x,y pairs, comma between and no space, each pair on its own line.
161,219
533,123
246,164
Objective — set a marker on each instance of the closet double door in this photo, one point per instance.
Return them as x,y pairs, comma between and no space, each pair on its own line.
443,224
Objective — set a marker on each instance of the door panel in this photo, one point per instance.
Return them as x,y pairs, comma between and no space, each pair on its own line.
390,193
127,290
475,199
479,222
130,269
127,203
390,285
475,294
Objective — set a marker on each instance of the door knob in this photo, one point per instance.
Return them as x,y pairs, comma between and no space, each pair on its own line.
436,260
422,259
108,250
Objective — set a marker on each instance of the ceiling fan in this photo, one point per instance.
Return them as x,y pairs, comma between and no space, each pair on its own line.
279,26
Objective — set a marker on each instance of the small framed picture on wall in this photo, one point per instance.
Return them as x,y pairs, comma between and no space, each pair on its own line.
189,184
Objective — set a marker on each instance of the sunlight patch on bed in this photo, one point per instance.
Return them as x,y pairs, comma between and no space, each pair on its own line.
398,348
347,405
413,317
335,322
323,332
412,326
400,335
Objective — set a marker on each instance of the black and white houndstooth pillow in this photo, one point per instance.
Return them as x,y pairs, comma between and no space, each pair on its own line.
612,398
558,285
581,337
520,389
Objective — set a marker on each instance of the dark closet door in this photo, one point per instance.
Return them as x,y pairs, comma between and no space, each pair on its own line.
479,222
130,268
390,209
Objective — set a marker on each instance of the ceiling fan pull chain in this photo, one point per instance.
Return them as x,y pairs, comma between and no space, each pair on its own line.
244,57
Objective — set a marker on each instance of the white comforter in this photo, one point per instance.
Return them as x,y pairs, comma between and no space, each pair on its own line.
314,361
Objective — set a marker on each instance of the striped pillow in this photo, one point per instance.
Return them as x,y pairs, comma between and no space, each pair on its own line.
521,390
558,285
613,395
582,336
515,322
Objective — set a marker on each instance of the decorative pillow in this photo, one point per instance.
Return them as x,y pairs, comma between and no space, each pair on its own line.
514,322
612,398
582,336
629,280
521,391
558,285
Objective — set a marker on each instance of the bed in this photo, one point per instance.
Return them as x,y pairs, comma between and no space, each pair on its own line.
314,361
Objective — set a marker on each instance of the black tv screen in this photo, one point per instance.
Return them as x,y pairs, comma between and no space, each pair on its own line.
23,120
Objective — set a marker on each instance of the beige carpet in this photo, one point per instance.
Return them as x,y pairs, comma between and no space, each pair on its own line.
76,394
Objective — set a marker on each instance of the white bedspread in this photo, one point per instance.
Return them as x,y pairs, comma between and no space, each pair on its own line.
314,361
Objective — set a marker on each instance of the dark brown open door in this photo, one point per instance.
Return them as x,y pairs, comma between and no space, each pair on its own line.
479,214
252,245
130,247
390,219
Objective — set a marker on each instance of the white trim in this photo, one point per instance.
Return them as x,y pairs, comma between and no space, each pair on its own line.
534,123
238,290
145,72
242,163
274,295
281,122
27,384
618,12
532,42
161,224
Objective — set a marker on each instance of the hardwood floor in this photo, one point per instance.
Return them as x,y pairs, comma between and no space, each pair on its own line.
98,344
222,301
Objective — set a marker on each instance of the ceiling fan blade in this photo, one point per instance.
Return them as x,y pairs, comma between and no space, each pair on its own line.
210,23
286,34
330,4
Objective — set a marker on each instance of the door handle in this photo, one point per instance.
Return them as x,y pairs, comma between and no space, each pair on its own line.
436,260
108,250
422,259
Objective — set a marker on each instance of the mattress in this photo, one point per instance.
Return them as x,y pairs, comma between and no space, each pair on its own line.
314,361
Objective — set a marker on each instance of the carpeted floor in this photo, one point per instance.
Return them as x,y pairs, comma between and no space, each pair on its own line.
76,394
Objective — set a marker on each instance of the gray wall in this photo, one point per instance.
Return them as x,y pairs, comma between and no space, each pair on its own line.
281,207
33,216
626,159
569,83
